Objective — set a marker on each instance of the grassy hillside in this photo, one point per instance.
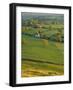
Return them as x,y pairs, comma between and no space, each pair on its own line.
42,46
41,49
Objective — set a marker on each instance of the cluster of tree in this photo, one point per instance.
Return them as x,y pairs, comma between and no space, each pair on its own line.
35,23
59,37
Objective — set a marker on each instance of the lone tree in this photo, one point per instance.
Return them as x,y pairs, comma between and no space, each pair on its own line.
58,36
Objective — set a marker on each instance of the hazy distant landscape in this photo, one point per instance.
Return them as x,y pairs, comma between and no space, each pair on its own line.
42,44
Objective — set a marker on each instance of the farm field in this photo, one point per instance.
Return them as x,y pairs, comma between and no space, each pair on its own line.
40,55
42,49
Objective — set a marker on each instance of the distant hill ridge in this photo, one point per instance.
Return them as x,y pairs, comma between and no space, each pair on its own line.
42,17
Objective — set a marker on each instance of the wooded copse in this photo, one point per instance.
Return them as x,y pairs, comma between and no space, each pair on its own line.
53,30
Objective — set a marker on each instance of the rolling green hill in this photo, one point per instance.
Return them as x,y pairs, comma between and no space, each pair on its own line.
42,45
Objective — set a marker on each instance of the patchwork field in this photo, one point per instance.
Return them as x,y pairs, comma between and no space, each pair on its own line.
41,57
42,44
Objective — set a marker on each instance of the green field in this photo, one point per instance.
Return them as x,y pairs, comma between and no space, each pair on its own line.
42,46
40,56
